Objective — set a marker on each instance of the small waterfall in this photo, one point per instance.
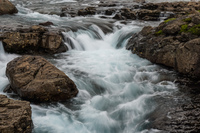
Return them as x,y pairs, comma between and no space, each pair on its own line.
2,52
95,39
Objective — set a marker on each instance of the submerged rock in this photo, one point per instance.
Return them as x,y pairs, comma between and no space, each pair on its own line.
35,79
33,40
15,116
174,43
6,7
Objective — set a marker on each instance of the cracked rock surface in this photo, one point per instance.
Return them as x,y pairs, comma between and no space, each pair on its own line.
15,116
33,78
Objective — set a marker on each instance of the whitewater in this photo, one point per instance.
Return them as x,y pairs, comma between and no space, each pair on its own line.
117,89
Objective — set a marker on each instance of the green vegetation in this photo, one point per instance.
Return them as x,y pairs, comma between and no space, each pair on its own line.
159,32
187,20
168,20
195,30
184,28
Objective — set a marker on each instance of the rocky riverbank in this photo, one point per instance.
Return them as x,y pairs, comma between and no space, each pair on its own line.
174,43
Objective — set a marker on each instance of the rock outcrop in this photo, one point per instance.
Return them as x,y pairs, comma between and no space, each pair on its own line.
132,11
35,79
33,40
15,116
174,43
6,7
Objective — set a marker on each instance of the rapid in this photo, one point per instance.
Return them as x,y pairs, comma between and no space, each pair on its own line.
117,89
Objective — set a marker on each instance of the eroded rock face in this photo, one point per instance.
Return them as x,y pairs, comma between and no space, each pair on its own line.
174,43
15,116
6,7
33,40
35,79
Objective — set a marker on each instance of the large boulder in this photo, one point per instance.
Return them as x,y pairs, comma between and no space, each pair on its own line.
174,43
6,7
33,40
15,116
35,79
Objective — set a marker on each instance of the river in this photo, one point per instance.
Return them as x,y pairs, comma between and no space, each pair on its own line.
117,89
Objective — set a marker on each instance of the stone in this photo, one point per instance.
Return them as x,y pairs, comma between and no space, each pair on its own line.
6,7
173,43
33,40
15,116
144,13
35,79
46,23
173,27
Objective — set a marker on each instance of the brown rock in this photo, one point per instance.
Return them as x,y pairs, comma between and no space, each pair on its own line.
174,44
46,23
33,40
173,27
6,7
188,58
87,11
34,78
144,13
15,116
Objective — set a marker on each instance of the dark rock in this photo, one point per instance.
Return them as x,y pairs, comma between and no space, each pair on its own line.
173,43
144,14
109,11
87,11
15,116
174,27
196,19
118,17
6,7
46,23
35,79
33,40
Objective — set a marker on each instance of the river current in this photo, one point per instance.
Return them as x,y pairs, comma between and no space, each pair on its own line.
117,89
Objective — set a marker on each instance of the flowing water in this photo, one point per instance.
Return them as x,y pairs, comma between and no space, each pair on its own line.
117,89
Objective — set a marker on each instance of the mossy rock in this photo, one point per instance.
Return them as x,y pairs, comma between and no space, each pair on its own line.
187,20
170,19
195,30
184,28
160,32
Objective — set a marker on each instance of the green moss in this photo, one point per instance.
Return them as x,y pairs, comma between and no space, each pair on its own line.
159,32
187,20
195,30
168,20
184,28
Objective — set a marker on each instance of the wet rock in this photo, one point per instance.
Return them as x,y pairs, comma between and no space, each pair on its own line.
15,116
87,11
110,11
145,14
174,43
125,13
46,23
35,79
33,40
179,8
6,7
